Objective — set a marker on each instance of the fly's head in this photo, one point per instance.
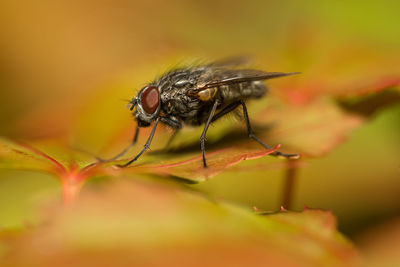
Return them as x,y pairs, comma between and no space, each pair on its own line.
147,104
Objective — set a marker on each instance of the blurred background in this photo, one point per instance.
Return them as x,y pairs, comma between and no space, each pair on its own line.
68,66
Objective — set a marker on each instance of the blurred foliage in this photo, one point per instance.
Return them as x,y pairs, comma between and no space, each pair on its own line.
381,245
67,66
153,224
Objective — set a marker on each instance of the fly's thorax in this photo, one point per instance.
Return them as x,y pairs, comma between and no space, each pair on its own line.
178,102
208,94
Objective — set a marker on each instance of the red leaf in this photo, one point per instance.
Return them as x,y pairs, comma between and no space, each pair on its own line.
192,169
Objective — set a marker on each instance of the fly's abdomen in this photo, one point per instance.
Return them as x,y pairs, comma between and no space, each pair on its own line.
234,92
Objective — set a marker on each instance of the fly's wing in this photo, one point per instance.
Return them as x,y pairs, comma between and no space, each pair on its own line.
231,61
222,77
209,82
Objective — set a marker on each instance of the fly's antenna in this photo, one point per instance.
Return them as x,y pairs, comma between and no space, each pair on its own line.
131,105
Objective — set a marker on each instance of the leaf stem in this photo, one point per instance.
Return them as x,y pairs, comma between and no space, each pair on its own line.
70,189
289,184
72,182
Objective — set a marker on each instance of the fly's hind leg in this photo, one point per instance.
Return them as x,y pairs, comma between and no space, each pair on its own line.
252,135
203,135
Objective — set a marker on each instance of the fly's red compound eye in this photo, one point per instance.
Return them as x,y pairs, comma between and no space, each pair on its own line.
149,99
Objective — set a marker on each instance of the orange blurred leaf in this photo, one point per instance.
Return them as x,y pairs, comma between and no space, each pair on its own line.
152,224
312,130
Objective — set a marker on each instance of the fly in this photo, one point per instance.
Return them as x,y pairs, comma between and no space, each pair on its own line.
198,96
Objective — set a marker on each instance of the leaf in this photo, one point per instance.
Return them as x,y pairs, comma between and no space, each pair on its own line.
369,104
311,130
301,94
73,168
45,155
152,224
192,169
23,157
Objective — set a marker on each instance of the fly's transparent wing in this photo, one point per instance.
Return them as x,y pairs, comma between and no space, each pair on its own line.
230,76
231,61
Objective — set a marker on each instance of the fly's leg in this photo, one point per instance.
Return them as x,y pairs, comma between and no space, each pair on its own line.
174,124
226,110
203,135
171,122
146,146
123,152
169,142
232,107
171,139
251,135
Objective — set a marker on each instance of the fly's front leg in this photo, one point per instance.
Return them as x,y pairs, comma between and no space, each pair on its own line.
203,135
146,146
252,135
123,152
